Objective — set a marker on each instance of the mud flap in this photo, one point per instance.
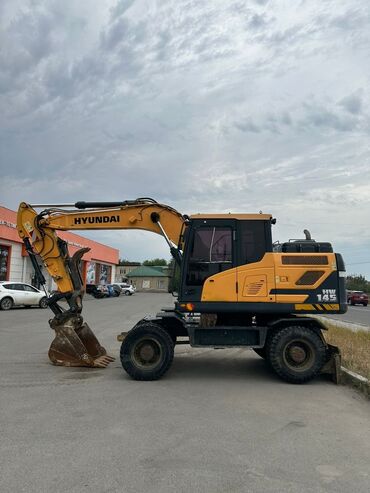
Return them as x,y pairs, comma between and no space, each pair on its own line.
332,366
76,345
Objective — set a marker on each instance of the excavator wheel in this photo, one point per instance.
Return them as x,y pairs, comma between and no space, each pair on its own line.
297,353
147,352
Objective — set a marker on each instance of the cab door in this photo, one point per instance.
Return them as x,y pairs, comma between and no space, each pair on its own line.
256,266
210,250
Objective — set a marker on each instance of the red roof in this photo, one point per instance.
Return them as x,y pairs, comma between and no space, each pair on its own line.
99,252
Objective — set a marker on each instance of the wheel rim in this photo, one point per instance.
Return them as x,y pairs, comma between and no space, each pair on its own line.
6,304
299,355
147,353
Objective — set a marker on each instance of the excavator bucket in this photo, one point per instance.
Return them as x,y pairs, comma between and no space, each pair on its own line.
76,345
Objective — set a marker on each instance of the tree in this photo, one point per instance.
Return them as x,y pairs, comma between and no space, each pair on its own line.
155,261
357,283
123,261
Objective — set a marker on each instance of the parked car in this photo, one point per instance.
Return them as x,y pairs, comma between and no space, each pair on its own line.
357,298
90,288
126,289
20,294
113,289
101,291
97,290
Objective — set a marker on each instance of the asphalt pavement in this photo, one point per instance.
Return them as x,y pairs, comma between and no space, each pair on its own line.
357,314
219,421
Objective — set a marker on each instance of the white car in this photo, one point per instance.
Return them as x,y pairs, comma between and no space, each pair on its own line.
20,294
126,289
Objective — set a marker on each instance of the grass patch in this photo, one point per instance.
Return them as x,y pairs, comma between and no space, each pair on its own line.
354,347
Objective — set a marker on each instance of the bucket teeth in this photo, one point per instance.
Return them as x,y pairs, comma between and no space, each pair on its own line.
103,361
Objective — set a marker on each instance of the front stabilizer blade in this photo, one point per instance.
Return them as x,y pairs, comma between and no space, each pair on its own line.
76,345
332,366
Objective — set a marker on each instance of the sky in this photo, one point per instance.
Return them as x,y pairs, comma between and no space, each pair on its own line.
208,106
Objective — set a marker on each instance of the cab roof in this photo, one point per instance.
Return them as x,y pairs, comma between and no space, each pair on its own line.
230,215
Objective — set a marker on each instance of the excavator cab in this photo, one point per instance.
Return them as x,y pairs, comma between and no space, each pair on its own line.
216,245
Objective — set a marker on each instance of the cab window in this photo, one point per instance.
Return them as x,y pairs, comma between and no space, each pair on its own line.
212,245
210,253
253,241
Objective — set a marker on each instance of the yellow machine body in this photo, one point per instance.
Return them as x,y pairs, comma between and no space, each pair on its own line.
221,277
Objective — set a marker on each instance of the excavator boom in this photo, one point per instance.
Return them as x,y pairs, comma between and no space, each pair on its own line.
74,343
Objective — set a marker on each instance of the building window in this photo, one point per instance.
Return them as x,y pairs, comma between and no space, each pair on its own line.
4,262
160,284
90,272
103,273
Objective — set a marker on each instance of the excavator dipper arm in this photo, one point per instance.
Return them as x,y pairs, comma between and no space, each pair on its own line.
75,344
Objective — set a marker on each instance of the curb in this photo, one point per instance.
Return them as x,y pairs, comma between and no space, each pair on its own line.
349,377
354,327
353,379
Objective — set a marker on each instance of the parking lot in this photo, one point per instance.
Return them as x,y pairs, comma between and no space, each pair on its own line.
219,421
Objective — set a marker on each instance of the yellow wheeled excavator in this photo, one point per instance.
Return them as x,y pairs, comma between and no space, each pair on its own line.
236,289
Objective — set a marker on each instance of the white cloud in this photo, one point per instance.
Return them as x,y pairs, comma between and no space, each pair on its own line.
208,106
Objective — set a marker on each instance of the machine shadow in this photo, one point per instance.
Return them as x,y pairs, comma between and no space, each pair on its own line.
217,367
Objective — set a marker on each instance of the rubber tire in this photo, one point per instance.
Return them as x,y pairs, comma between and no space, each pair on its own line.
127,293
365,304
7,307
43,302
281,338
171,334
162,338
98,296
